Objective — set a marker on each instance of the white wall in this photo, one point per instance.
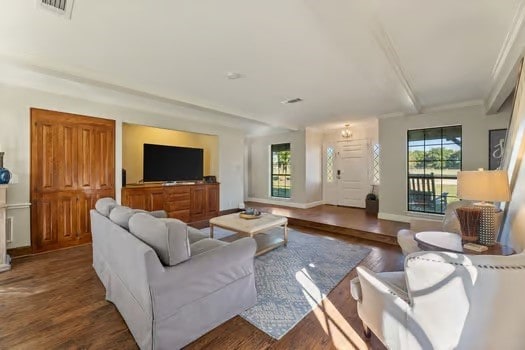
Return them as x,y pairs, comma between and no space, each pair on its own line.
135,136
361,130
306,151
259,165
513,231
313,166
15,103
392,137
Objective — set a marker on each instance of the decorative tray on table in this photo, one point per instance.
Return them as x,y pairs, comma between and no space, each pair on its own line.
250,214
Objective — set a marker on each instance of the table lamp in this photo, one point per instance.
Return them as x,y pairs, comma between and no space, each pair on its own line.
486,186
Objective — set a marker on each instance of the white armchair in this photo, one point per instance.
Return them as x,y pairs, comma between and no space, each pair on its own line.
445,301
449,223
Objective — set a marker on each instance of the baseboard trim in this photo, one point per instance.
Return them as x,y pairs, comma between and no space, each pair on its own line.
206,223
229,211
410,216
286,203
20,251
393,217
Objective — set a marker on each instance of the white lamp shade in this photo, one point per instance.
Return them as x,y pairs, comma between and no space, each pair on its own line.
484,185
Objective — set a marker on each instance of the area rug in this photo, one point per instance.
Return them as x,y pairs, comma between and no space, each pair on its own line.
291,281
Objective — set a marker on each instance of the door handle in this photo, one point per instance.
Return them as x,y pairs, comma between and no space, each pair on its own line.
338,174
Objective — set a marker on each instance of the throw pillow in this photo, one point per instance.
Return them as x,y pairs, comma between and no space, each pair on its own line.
105,205
120,215
169,238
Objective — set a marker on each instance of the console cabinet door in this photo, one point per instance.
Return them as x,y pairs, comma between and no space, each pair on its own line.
197,203
212,202
136,199
156,199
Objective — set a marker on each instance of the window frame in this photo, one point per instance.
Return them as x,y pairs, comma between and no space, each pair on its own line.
287,195
441,177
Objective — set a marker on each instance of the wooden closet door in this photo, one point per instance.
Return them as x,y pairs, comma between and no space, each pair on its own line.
104,158
72,165
44,185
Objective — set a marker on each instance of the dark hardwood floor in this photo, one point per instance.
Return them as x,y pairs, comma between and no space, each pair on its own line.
43,307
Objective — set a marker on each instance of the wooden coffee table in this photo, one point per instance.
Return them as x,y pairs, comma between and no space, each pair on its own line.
254,228
451,242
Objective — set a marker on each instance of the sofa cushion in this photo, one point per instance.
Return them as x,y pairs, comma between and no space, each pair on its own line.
205,245
105,205
120,215
168,237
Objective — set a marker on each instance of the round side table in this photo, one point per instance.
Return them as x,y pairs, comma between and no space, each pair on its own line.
451,242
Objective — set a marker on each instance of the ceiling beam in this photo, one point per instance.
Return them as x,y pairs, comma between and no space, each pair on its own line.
504,74
91,79
385,43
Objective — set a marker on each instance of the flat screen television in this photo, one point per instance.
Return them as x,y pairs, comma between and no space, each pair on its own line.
171,163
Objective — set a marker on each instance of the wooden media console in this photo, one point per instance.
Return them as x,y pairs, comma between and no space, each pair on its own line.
186,202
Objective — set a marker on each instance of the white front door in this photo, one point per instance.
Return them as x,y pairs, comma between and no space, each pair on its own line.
352,173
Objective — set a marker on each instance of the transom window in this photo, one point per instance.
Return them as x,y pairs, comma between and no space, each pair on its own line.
434,158
281,182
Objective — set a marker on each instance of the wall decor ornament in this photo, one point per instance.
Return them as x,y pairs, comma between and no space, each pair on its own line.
497,139
469,218
5,175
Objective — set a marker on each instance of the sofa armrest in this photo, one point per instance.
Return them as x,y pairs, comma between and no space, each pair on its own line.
161,214
202,275
382,307
374,288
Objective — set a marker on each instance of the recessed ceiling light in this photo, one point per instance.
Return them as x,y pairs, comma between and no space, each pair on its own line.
233,75
292,100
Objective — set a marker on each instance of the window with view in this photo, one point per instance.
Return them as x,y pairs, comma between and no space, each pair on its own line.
281,171
434,158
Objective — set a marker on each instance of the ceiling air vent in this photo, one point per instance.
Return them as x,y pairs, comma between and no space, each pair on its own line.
293,100
62,8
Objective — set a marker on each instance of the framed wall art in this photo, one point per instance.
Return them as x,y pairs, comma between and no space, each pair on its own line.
496,147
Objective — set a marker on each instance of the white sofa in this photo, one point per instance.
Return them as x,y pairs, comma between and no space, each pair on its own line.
445,301
170,283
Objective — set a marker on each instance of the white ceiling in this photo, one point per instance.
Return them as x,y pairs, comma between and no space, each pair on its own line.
347,59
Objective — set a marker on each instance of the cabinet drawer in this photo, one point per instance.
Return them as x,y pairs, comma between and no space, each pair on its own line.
178,197
177,190
177,205
183,215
